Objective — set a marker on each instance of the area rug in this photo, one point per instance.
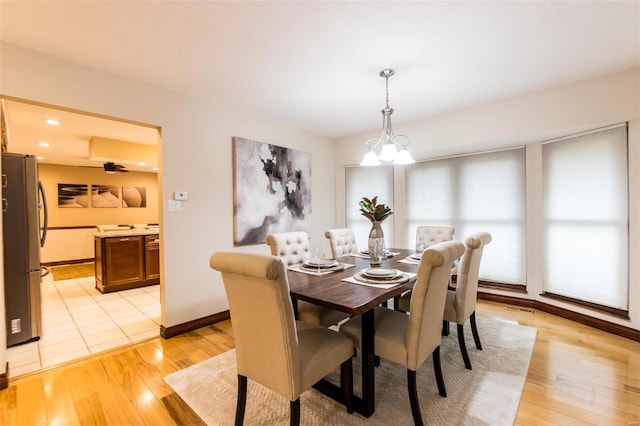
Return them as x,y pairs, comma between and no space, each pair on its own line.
487,395
68,272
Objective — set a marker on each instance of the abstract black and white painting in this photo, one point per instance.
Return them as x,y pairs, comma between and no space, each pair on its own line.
272,190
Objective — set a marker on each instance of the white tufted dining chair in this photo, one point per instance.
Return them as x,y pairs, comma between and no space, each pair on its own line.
429,235
461,303
293,248
272,348
342,241
408,340
434,234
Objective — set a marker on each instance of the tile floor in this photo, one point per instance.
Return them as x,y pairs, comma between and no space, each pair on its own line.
78,321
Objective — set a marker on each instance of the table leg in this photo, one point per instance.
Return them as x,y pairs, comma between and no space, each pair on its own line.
368,364
367,404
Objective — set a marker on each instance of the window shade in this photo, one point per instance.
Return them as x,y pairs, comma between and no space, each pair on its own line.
368,182
479,192
585,217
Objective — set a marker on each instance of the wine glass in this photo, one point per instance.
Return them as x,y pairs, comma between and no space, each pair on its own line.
420,244
317,255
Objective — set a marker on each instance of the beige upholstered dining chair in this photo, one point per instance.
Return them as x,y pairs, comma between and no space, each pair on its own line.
409,339
293,248
428,235
272,348
342,241
431,235
461,303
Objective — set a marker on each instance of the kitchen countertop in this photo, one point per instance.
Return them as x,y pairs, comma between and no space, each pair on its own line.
127,232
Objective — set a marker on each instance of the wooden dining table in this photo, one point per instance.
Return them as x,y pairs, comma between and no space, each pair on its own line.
332,292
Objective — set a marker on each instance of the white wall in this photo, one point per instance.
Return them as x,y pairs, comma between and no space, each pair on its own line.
195,157
530,119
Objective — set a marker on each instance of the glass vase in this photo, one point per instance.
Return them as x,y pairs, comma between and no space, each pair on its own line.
376,244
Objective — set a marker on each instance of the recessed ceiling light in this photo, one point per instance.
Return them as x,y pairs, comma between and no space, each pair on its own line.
44,144
40,157
142,164
52,122
155,169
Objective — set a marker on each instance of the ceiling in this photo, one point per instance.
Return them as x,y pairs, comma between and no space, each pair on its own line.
70,140
315,65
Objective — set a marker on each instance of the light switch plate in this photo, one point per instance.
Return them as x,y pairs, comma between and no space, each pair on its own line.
175,206
180,195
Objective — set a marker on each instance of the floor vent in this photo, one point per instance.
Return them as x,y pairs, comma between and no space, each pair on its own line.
516,308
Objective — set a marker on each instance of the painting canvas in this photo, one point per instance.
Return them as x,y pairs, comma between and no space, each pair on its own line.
71,195
272,190
104,196
134,196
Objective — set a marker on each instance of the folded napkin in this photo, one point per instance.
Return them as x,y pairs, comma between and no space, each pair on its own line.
410,261
323,271
382,283
366,256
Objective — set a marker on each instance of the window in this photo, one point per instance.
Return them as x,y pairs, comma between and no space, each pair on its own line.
368,182
585,218
479,192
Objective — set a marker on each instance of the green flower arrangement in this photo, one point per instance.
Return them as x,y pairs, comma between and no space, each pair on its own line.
373,211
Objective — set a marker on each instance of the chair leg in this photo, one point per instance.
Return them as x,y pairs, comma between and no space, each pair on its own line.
438,370
413,397
242,399
294,419
396,302
445,328
346,382
474,330
463,347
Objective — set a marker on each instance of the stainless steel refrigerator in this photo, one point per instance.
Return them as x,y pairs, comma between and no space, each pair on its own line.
22,201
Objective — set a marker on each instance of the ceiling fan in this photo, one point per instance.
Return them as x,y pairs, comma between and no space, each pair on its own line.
112,168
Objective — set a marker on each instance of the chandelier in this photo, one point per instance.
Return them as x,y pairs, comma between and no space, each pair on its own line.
393,148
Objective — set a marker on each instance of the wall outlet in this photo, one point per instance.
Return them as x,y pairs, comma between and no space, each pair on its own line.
180,195
16,326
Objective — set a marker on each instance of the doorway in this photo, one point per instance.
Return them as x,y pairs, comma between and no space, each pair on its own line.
77,319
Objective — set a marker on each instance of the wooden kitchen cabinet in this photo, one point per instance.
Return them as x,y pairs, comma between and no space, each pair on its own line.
124,262
152,256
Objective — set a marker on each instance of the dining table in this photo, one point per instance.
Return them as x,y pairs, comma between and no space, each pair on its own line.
330,290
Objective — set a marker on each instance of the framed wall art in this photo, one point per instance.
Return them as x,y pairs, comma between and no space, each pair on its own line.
134,196
272,190
72,195
104,196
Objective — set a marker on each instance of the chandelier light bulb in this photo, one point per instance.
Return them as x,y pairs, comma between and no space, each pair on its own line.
388,153
370,159
404,157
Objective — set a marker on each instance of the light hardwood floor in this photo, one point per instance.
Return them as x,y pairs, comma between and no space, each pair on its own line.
577,375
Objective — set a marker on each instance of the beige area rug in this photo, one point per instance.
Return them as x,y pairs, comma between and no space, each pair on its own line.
68,272
487,395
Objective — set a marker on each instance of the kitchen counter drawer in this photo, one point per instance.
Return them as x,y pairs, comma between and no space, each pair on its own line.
151,239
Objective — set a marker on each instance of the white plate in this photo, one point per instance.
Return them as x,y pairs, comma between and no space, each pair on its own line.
416,256
380,273
322,263
364,251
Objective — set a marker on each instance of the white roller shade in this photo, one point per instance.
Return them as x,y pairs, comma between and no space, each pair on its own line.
479,192
585,217
368,182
